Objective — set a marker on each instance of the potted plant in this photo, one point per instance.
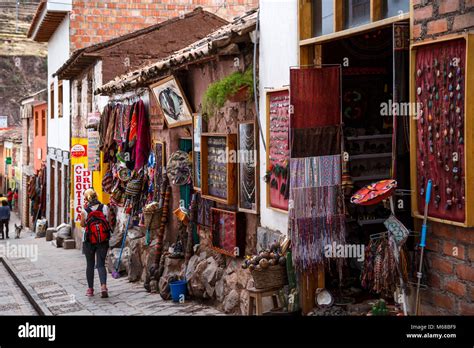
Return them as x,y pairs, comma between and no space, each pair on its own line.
236,87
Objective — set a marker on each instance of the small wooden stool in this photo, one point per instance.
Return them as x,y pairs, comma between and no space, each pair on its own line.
256,299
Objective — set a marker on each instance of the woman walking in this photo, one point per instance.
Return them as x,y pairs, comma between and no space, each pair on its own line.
4,218
96,240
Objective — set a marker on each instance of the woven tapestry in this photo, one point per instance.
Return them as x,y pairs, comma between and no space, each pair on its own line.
316,214
315,96
319,141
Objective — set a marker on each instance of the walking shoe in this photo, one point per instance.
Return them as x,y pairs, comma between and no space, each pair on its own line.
90,292
104,293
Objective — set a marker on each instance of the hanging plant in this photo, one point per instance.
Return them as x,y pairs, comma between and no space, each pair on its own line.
236,87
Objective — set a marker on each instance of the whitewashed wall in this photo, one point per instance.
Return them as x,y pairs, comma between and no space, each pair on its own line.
278,51
100,101
58,53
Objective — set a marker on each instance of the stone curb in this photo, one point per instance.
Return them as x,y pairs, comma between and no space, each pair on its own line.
27,290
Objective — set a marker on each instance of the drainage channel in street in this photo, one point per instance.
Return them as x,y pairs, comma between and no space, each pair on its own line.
13,299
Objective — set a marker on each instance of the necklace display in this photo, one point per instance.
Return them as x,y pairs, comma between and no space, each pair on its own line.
217,168
248,181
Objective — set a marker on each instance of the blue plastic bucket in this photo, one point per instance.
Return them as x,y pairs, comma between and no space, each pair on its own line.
178,289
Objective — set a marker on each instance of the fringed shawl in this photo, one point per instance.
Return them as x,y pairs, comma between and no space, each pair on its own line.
316,210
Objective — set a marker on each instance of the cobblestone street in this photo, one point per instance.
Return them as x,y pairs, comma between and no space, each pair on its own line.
56,280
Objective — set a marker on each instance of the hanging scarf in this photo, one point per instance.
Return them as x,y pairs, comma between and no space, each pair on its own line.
316,210
109,133
143,138
118,121
126,148
125,124
132,135
104,119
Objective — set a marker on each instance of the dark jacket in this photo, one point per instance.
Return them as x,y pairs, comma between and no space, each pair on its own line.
4,213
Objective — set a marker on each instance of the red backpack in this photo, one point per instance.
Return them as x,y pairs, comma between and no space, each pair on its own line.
97,226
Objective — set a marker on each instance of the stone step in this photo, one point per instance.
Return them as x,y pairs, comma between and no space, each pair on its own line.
58,242
69,244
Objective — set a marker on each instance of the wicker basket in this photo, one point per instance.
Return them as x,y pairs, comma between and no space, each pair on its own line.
272,277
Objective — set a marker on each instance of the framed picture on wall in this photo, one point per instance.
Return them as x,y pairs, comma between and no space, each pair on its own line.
247,167
173,102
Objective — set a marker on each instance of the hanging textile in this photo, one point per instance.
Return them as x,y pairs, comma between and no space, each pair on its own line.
106,132
319,141
143,137
380,273
104,119
118,123
133,131
316,214
315,96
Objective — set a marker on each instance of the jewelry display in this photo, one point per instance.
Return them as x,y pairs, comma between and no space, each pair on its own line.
278,123
218,171
248,179
440,127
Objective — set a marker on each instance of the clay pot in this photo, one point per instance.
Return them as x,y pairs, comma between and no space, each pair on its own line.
241,95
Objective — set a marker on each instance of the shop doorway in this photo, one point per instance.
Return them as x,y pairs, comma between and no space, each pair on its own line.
52,192
375,125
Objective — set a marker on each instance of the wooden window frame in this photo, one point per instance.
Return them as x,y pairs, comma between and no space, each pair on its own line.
36,115
305,18
43,122
51,99
60,99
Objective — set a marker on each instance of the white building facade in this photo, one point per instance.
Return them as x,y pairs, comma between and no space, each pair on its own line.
278,52
51,25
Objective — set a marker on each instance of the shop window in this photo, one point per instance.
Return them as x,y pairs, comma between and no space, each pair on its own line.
356,12
60,100
36,123
43,122
391,8
323,17
51,99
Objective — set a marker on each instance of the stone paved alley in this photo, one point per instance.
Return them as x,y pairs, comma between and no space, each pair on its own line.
56,280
